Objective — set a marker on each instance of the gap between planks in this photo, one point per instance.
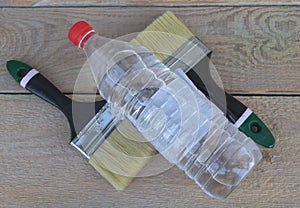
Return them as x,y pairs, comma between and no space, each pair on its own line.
233,94
144,3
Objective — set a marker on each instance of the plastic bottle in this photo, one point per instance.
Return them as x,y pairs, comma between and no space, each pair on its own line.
178,120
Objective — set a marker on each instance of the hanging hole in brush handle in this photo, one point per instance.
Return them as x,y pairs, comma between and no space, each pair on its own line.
258,131
255,128
22,73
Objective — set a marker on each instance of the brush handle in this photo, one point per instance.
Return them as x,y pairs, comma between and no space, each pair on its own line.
235,111
233,108
43,88
77,113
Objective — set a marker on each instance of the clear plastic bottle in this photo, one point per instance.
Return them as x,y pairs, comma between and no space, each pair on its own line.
178,120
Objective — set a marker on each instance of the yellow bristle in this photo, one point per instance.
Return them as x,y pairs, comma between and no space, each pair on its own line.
120,158
164,36
125,152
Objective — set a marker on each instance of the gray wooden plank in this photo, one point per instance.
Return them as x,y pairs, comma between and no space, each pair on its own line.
40,169
256,49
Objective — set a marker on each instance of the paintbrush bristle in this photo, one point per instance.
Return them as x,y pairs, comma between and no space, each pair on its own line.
164,36
122,155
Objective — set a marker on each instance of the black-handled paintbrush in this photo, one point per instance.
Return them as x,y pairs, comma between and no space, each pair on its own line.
123,153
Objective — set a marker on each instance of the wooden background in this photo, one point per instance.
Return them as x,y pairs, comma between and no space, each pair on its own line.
256,48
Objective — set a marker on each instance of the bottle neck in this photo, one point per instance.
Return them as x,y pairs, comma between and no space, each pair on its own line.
85,38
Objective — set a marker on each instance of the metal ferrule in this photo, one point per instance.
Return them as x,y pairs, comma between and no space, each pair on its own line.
95,132
188,55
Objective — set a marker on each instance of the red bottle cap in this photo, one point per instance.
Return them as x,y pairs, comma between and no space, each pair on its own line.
80,32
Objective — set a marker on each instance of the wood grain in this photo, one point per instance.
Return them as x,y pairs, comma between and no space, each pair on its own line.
40,169
256,49
134,2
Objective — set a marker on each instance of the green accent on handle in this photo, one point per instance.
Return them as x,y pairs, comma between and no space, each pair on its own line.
257,130
17,69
